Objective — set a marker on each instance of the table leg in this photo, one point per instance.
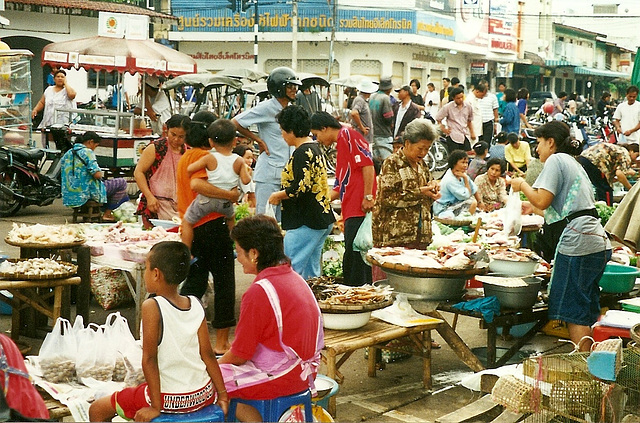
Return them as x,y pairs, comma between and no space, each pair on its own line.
331,372
83,296
57,302
371,361
491,346
426,361
15,319
456,343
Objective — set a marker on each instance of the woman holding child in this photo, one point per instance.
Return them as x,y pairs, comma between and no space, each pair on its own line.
306,210
212,247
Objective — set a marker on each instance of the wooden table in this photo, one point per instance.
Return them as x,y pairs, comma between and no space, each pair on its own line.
375,335
30,294
507,318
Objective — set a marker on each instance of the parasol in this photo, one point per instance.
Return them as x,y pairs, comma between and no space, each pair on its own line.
243,73
201,80
118,54
311,79
350,81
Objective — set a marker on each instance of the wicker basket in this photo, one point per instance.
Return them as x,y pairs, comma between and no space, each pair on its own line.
515,395
577,397
553,368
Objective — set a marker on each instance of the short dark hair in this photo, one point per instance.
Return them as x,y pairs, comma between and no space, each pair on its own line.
501,138
605,94
481,147
522,93
90,136
455,157
632,89
481,86
455,80
509,95
264,235
454,92
416,81
198,136
179,121
222,132
294,119
512,138
497,161
172,259
321,120
632,147
446,79
561,134
241,149
59,71
430,84
562,94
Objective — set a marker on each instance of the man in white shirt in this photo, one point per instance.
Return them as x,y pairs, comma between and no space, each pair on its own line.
474,98
432,100
626,118
489,111
404,111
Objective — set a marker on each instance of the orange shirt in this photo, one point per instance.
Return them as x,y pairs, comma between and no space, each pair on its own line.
183,183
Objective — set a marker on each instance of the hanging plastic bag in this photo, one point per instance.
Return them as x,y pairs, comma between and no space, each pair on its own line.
363,240
270,210
120,336
58,353
97,356
512,217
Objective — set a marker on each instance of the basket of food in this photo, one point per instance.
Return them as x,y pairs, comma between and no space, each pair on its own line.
44,236
455,221
36,268
348,307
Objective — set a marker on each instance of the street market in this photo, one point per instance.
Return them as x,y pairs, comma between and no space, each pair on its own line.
189,238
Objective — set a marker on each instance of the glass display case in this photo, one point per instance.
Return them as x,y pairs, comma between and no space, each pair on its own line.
15,97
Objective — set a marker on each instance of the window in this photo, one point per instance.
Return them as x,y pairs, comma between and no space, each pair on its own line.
106,78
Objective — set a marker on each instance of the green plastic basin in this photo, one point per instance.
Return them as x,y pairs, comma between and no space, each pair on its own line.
618,279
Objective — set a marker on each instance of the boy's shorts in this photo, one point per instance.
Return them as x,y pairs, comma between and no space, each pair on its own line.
128,401
203,205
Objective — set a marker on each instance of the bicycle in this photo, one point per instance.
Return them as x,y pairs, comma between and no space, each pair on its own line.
438,157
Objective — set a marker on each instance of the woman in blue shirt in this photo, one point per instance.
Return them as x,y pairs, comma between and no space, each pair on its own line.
510,120
459,193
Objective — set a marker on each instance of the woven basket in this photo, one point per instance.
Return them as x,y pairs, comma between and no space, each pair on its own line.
557,367
515,395
577,397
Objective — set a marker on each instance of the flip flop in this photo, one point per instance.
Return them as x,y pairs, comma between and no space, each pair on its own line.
435,345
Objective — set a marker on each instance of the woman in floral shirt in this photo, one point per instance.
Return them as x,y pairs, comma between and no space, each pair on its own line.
406,191
306,211
604,163
492,187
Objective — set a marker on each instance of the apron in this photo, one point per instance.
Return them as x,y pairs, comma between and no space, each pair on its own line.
266,364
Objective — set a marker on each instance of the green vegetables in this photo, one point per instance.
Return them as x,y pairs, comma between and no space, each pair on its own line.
242,211
332,253
605,211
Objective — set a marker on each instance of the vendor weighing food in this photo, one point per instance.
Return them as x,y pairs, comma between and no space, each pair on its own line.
563,192
402,212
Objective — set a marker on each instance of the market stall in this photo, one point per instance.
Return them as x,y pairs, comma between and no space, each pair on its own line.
123,134
15,97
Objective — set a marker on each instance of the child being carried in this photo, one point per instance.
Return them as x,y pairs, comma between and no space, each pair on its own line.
225,170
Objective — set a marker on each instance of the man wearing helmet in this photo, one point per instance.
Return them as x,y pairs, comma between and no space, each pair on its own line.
283,86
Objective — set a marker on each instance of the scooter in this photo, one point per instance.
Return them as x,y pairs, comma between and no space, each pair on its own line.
32,176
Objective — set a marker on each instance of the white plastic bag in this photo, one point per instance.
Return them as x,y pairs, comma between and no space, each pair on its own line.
58,353
120,337
512,217
96,355
363,240
270,210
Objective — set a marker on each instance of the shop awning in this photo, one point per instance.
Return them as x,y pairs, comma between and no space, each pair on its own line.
583,70
558,63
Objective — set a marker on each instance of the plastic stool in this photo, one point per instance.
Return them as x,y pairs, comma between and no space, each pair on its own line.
210,413
272,409
324,401
89,211
602,333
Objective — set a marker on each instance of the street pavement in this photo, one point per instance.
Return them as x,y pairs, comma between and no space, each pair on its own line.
396,394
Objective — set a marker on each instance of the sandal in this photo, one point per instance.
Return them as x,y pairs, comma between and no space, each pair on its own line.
435,345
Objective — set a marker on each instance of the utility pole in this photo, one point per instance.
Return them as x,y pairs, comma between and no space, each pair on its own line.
256,18
294,31
333,39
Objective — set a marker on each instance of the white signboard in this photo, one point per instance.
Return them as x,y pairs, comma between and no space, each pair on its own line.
121,25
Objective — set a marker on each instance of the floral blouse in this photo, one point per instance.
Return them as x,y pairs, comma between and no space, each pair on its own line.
608,158
492,194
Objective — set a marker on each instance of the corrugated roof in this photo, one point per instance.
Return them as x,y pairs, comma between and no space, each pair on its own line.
101,6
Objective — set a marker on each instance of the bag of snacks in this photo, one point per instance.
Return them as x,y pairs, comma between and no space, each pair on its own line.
97,356
110,288
58,353
120,336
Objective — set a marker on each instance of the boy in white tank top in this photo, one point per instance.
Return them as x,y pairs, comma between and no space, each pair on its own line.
224,170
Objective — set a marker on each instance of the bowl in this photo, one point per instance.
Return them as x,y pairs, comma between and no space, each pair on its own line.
618,278
427,288
515,297
345,321
167,224
512,267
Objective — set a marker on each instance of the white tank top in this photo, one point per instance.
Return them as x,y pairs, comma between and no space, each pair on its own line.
181,369
223,176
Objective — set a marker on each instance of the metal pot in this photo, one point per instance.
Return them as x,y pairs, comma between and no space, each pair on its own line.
516,297
427,288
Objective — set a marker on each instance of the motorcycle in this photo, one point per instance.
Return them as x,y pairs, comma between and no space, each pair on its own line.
32,176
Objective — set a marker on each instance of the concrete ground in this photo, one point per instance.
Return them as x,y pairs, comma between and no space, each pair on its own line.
396,394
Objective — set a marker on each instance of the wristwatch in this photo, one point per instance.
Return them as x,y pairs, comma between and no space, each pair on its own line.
368,197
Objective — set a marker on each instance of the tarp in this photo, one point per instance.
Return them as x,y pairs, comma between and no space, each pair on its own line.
118,54
635,75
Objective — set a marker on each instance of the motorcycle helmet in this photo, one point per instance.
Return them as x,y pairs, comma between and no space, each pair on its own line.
278,80
548,108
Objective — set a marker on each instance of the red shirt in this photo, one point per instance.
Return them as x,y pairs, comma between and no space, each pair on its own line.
183,183
352,155
257,325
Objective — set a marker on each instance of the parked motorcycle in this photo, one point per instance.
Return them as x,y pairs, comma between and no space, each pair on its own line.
32,176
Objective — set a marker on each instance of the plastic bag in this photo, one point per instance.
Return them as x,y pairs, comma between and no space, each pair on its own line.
96,355
512,221
270,210
58,353
110,288
363,240
126,213
120,336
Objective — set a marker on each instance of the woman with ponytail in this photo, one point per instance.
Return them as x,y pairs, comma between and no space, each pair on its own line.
564,196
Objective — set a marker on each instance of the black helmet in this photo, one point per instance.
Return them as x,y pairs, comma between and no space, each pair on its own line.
278,80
